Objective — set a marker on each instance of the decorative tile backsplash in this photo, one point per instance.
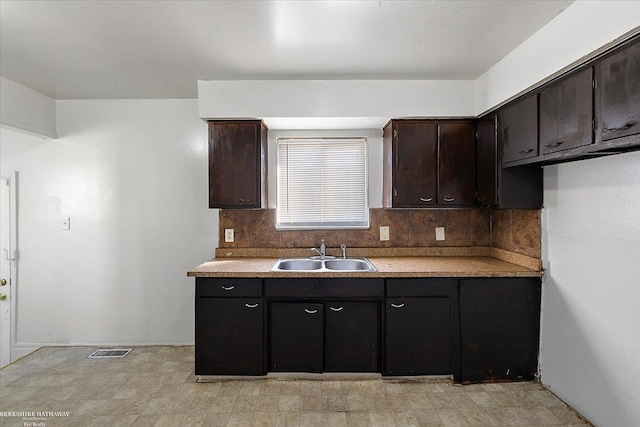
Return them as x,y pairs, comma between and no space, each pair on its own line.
516,231
408,228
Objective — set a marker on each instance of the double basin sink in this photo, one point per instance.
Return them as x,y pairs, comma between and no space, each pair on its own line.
323,265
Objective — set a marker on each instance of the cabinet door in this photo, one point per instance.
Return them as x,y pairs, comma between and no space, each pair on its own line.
618,94
518,129
499,328
456,163
414,156
296,337
566,113
517,187
237,151
351,336
417,336
487,162
229,336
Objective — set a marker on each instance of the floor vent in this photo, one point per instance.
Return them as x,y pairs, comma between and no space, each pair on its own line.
110,353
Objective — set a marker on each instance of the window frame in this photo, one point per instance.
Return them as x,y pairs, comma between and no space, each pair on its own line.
364,225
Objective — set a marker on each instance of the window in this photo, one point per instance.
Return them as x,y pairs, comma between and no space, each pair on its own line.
322,183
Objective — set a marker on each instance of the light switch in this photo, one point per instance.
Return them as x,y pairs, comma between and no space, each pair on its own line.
439,233
65,223
384,233
228,235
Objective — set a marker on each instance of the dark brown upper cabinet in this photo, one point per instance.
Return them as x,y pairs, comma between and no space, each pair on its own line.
410,163
487,165
593,109
566,113
237,164
507,188
456,163
617,97
428,163
518,129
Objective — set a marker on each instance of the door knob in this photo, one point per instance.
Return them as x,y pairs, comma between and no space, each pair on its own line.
3,297
3,282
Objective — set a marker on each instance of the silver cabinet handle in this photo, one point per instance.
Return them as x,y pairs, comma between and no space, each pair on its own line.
422,199
228,288
448,199
251,305
336,309
397,305
310,311
557,144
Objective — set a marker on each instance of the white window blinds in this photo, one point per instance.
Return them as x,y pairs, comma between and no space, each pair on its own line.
322,183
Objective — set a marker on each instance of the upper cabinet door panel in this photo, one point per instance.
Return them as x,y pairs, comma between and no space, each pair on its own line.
236,157
414,180
456,163
518,129
566,113
487,161
618,93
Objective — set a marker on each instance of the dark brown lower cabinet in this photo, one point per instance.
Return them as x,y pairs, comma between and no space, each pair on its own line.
478,329
417,336
351,336
229,336
296,337
331,337
500,328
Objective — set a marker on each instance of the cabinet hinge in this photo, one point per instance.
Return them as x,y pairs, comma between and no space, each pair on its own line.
595,125
395,133
595,83
395,192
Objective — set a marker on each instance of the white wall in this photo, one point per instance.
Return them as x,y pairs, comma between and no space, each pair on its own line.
132,176
357,103
580,29
590,344
26,110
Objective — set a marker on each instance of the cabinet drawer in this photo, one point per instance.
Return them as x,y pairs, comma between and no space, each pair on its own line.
324,287
437,287
228,287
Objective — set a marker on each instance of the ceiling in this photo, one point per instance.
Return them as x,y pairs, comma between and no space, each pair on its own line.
159,49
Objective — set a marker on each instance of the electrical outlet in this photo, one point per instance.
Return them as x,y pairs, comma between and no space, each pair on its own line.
65,223
439,233
228,235
384,233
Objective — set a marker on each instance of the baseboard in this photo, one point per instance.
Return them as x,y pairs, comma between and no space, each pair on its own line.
20,350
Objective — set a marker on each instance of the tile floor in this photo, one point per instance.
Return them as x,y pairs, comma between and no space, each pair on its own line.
155,386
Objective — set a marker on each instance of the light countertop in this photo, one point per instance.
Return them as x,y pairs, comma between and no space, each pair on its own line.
402,266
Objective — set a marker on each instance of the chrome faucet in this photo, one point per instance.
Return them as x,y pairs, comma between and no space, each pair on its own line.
344,251
322,251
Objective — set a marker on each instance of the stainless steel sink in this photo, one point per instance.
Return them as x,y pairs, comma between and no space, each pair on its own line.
323,266
299,264
349,264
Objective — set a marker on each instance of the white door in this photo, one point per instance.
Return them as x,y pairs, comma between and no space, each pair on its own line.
7,273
